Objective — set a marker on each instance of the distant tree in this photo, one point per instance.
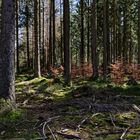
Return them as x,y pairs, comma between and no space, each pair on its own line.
43,33
124,51
27,32
50,50
88,31
7,47
93,39
114,34
54,36
82,51
61,34
39,28
105,38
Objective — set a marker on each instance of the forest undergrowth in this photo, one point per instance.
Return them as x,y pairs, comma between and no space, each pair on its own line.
87,110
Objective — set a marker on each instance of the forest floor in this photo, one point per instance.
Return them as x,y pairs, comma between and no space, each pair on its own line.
86,110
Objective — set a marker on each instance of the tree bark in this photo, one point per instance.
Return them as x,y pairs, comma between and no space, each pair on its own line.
66,20
54,38
105,40
50,52
61,34
139,32
124,35
88,33
82,52
7,48
37,49
27,34
0,16
43,33
17,40
93,40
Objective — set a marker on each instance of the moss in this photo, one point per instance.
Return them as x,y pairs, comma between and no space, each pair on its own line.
112,137
32,81
122,124
14,133
55,92
12,116
131,136
99,120
127,115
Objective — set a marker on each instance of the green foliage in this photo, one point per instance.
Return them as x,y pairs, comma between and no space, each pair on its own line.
12,116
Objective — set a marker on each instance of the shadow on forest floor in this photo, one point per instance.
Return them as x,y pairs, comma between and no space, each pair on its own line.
86,111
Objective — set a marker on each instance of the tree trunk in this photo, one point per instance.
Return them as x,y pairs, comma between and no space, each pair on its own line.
0,16
88,33
39,28
93,40
61,34
43,33
114,31
27,34
130,47
17,40
37,50
139,32
107,34
7,48
124,35
46,28
105,40
119,36
82,52
66,20
54,45
50,52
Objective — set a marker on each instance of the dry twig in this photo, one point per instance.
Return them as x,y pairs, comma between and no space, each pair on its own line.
51,132
124,133
112,121
136,108
78,127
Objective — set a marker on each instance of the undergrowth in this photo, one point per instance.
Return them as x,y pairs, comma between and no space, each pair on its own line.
79,110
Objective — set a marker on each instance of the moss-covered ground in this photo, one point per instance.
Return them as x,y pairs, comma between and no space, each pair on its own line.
85,110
